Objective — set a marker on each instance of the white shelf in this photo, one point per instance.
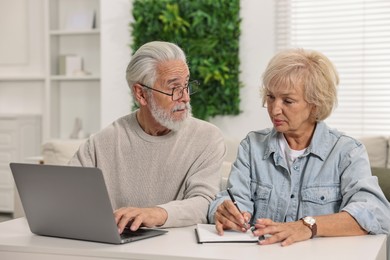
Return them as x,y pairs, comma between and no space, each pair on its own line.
74,78
72,97
74,32
22,78
38,87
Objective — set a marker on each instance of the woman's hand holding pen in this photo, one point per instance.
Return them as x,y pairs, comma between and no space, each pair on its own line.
228,216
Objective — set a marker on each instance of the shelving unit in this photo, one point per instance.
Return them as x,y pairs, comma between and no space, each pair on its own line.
71,97
32,87
21,78
20,138
22,88
33,84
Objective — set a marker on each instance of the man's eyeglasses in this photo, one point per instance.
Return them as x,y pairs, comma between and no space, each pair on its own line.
177,93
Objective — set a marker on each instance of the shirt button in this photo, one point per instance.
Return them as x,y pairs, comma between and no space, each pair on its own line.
322,198
296,167
292,196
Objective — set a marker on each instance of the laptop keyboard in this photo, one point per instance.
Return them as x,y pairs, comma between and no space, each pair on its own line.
127,233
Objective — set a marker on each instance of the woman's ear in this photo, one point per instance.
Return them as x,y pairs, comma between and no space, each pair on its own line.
314,115
140,94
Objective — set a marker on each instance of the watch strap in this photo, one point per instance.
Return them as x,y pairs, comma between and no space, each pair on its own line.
313,227
313,230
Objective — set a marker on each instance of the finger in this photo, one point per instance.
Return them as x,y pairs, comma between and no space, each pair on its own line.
230,212
265,221
278,236
267,226
271,239
228,221
260,226
137,222
219,227
296,232
123,222
281,232
233,211
288,241
118,214
127,217
292,237
247,216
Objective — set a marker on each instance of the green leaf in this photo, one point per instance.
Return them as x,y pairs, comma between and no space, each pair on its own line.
208,31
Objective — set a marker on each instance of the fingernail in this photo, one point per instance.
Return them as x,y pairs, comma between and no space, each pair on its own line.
253,229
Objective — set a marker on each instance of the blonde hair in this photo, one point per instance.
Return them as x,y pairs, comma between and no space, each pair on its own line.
311,69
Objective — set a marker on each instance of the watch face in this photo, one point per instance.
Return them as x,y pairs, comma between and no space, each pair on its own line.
309,220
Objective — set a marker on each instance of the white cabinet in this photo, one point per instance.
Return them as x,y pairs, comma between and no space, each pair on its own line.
55,28
20,138
72,31
34,85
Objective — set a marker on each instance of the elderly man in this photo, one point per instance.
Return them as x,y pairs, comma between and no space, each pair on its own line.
161,165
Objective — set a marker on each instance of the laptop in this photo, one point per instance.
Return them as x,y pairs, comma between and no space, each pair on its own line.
70,202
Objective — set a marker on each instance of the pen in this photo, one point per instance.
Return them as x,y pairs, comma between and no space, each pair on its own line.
235,203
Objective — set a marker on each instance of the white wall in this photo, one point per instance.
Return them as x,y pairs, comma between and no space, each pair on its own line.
21,57
115,51
256,48
21,31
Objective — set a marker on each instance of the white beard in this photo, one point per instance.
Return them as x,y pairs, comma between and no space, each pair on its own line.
164,118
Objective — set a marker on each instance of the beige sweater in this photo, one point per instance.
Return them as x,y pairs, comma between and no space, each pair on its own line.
178,172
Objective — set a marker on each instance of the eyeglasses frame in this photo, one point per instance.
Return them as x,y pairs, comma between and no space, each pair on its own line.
173,90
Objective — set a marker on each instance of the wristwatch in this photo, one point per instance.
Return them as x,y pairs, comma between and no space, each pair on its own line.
310,222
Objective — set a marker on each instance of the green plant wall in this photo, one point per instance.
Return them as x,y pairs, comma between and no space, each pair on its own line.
208,31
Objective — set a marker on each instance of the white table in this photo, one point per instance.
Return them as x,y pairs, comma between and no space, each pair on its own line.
17,242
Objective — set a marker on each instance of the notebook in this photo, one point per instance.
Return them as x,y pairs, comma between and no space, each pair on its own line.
70,202
206,233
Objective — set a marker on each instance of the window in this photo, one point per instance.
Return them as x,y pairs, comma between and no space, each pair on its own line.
355,35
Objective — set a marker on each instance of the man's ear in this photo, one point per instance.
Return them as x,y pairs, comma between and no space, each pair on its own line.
140,95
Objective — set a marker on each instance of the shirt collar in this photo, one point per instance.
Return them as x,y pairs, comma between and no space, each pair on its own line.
319,144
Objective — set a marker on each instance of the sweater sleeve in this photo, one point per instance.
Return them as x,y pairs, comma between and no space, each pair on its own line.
200,187
84,156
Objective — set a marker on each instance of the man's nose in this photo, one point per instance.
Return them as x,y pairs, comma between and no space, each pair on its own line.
185,97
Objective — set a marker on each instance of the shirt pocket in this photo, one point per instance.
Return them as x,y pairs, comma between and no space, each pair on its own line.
261,194
320,200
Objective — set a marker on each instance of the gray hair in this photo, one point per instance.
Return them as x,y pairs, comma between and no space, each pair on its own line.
142,67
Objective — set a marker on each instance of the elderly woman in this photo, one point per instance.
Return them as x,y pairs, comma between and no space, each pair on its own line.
301,179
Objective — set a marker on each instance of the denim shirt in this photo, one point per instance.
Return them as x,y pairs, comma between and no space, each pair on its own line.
332,175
